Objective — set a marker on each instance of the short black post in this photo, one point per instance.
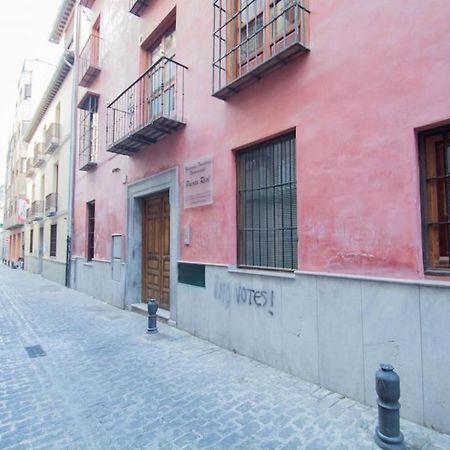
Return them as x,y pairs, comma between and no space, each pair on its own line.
387,434
152,307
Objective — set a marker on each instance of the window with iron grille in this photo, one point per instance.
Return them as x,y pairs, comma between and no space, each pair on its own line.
53,239
31,241
253,36
435,186
267,205
91,230
88,130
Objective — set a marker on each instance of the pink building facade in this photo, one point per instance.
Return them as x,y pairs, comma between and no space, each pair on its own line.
290,215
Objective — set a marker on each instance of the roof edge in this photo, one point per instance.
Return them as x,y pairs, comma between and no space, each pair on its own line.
65,10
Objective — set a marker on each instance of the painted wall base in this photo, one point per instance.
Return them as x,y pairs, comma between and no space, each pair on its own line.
54,270
332,331
51,269
31,263
95,278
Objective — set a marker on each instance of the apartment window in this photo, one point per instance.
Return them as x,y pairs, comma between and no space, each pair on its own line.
27,91
91,230
248,33
53,239
88,130
267,205
31,241
435,186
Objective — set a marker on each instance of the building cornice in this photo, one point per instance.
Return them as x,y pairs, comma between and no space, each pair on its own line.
62,69
61,20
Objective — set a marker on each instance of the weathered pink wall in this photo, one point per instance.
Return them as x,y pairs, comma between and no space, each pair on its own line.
376,72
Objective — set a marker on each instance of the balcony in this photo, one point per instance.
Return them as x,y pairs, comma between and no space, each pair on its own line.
138,6
254,39
37,210
148,110
38,155
51,204
30,168
51,138
90,61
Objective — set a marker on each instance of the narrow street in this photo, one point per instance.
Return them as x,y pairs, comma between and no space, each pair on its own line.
104,384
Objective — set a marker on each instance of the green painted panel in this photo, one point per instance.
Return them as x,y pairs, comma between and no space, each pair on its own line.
193,274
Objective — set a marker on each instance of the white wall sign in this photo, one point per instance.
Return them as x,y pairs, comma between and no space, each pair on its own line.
198,183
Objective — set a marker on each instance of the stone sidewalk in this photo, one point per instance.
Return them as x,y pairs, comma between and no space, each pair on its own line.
104,384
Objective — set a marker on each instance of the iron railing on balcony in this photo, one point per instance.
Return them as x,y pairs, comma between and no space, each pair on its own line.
149,109
37,210
136,7
253,37
51,138
51,204
29,168
38,154
90,60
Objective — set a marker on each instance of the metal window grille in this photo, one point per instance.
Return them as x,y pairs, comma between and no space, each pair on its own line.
91,230
267,205
252,36
435,174
53,239
89,131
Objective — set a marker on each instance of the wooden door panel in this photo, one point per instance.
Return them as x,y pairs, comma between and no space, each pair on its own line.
156,249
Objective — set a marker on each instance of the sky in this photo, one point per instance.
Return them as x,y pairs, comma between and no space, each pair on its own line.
25,27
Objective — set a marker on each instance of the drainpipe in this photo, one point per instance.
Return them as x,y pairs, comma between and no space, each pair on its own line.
73,142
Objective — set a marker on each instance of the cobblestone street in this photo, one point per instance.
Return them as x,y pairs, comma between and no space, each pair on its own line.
103,383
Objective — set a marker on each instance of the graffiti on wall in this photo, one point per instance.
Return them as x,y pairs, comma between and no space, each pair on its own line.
228,292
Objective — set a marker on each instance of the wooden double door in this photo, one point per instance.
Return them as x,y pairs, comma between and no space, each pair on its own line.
156,249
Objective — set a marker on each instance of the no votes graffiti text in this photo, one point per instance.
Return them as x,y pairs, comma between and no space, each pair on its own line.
228,292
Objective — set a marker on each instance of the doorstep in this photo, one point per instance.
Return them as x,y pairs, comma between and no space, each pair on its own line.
141,308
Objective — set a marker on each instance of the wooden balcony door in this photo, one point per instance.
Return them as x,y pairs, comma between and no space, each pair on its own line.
162,78
156,249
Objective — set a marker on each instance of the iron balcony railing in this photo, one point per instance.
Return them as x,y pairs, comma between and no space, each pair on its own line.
29,168
38,155
52,138
136,7
51,204
88,143
37,210
252,39
149,109
90,60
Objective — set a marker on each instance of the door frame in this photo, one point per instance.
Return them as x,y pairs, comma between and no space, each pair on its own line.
163,181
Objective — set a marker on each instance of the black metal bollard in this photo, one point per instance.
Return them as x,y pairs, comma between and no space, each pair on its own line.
152,307
387,434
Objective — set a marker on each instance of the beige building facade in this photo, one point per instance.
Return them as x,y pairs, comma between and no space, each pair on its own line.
48,139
